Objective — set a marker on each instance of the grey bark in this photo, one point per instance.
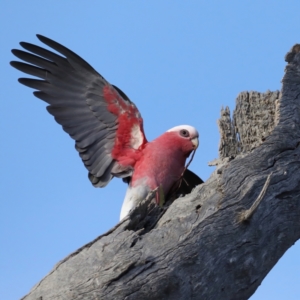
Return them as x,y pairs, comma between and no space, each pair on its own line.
220,241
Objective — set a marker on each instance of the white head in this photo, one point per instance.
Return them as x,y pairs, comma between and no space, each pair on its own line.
187,131
192,130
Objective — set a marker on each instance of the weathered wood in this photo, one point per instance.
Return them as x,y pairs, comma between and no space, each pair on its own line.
254,119
199,247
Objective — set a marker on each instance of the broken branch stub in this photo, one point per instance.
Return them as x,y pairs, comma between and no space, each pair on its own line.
254,118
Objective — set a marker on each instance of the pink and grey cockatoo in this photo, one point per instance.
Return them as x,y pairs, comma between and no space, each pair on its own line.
106,126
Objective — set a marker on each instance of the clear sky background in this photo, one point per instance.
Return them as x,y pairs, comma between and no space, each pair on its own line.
179,61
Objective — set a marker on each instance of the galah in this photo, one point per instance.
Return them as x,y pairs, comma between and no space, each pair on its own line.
106,126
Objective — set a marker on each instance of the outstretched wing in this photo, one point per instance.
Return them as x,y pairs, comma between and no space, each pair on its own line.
106,126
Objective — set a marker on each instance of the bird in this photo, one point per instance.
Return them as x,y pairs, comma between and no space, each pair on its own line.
107,126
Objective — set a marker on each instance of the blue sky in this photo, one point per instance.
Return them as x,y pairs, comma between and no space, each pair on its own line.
179,61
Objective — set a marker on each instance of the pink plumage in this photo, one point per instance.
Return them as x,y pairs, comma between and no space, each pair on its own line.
161,164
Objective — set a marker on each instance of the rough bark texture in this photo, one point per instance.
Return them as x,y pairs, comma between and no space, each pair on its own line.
254,119
220,241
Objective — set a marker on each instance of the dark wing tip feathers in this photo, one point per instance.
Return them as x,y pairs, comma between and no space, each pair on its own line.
14,63
69,54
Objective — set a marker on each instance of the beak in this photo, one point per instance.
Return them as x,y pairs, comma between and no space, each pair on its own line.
195,142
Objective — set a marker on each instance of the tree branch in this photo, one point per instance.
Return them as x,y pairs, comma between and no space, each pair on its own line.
197,247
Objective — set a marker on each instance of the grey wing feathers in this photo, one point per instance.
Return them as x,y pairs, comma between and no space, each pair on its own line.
74,92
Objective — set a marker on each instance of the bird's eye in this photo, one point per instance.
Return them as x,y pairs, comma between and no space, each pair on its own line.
184,133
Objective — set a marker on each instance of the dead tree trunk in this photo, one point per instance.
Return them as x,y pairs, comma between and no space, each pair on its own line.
220,241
